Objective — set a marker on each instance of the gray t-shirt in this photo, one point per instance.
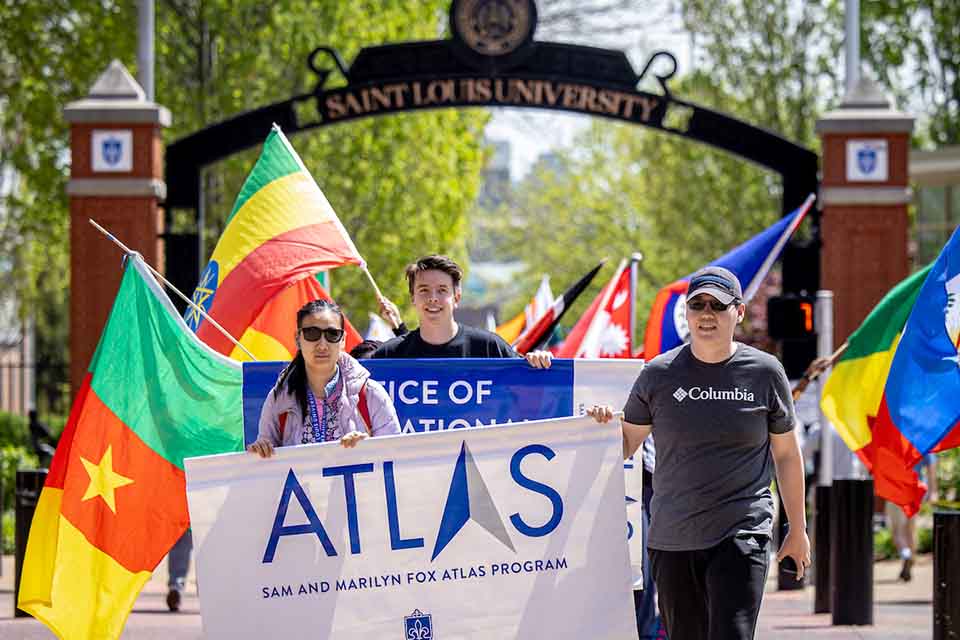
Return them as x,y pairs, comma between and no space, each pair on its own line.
711,423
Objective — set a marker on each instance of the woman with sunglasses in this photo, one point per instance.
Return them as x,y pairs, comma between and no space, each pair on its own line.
722,415
324,394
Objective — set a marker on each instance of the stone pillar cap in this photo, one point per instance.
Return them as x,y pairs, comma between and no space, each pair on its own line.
116,97
865,109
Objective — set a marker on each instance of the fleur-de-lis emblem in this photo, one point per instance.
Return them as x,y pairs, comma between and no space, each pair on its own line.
418,626
419,631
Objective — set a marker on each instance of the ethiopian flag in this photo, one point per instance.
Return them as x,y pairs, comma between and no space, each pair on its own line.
853,396
280,232
114,501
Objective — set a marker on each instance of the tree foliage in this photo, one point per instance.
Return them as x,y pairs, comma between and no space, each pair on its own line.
778,58
914,46
52,53
400,184
623,189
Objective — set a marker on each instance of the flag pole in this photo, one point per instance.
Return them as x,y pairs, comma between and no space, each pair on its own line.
635,260
376,290
816,368
160,277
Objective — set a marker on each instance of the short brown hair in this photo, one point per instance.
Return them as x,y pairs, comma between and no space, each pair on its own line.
434,263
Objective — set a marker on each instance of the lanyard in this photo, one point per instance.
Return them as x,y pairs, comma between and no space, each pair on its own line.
318,421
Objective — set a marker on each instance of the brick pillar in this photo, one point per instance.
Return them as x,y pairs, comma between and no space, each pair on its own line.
864,196
116,179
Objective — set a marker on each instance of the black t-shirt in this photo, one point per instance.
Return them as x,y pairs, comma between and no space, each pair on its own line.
469,342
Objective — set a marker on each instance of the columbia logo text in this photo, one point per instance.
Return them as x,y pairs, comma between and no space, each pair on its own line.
699,393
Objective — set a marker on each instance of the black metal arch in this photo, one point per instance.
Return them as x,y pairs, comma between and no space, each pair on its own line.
437,74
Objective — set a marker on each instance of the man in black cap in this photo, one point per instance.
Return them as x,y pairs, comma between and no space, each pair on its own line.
723,417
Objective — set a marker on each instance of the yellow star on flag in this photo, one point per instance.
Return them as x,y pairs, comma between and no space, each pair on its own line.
103,479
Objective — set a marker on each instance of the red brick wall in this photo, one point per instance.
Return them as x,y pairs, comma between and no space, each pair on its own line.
864,246
864,254
94,259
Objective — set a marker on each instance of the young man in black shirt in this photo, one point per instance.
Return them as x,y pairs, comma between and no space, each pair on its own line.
434,283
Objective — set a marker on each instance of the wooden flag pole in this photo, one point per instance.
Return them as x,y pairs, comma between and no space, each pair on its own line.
160,277
376,290
816,368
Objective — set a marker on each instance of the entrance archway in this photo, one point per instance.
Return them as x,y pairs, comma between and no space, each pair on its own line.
491,60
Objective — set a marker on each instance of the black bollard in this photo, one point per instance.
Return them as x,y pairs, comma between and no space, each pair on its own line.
851,552
821,551
29,484
946,581
786,580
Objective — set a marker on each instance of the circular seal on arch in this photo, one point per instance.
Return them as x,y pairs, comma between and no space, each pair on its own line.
493,28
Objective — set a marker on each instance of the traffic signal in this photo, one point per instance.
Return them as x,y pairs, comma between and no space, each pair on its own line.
790,317
790,320
801,268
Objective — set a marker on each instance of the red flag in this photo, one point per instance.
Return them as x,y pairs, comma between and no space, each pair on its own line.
604,331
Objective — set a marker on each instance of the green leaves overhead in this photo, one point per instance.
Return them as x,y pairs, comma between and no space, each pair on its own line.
400,184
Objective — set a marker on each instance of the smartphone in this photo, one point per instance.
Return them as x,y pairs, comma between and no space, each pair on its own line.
789,565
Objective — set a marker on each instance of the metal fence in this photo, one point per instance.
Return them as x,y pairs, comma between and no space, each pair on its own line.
42,386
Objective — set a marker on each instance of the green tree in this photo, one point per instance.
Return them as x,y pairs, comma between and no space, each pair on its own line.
914,46
52,52
400,184
622,189
779,59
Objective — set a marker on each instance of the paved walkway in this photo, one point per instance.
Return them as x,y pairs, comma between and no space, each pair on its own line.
902,611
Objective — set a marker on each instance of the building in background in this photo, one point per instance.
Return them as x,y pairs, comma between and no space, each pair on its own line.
935,176
495,186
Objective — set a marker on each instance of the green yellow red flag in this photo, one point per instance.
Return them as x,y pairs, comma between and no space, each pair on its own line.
279,234
114,501
853,391
853,394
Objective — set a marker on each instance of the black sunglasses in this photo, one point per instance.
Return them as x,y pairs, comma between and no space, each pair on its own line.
715,305
312,334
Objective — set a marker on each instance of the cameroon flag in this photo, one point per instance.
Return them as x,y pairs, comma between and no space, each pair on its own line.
853,396
280,233
114,501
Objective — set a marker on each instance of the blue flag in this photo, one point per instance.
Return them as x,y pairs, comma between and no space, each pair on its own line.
923,387
750,262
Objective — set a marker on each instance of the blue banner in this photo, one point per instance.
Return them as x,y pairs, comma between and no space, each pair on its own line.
440,394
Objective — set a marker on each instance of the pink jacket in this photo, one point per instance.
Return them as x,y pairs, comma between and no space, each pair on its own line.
383,415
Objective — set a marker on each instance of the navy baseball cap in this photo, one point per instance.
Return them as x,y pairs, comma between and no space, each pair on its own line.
717,282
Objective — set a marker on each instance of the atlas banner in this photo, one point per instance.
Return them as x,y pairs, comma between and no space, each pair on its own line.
512,531
441,394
